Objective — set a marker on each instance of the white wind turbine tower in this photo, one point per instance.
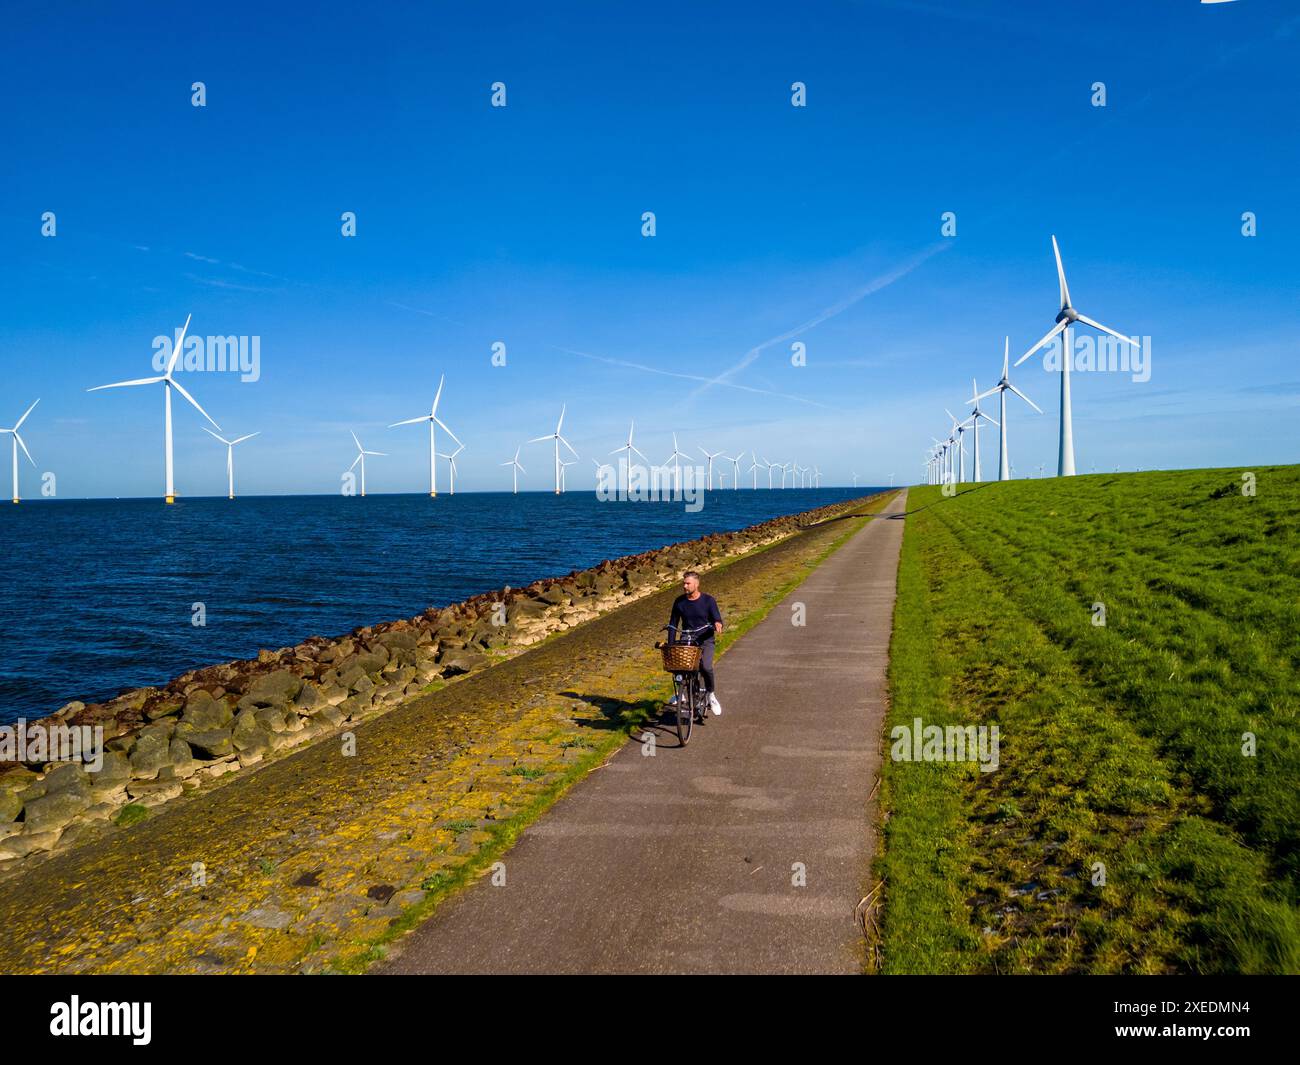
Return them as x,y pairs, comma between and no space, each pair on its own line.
564,466
434,421
1002,388
817,477
675,458
518,469
17,443
558,439
230,457
451,463
631,450
735,469
976,416
756,464
770,467
710,455
959,432
168,383
361,458
1065,318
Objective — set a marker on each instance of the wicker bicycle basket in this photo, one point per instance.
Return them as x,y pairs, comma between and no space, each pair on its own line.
681,657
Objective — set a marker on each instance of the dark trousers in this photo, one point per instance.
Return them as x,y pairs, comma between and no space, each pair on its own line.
706,664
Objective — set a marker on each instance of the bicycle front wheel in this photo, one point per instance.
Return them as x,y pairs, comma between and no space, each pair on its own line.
685,709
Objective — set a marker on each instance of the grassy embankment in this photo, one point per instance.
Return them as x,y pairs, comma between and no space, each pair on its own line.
1122,744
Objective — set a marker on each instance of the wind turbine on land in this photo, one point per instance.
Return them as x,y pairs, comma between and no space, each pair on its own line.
361,458
230,457
433,420
1065,318
959,432
1002,388
17,443
168,383
517,468
975,417
558,439
675,458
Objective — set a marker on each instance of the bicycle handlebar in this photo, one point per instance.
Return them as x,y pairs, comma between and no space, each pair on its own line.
688,633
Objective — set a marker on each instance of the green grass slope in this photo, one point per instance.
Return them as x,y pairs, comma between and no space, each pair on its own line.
1126,829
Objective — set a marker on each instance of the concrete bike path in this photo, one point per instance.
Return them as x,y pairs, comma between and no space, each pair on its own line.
687,861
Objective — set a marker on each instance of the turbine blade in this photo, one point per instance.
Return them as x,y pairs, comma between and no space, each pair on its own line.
356,460
193,402
177,348
23,446
538,439
437,395
448,431
215,437
356,441
1024,397
241,439
1060,274
569,446
560,424
24,417
411,421
985,395
128,384
1055,330
635,451
1006,354
1107,329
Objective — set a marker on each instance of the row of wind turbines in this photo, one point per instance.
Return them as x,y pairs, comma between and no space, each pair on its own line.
807,476
802,476
939,461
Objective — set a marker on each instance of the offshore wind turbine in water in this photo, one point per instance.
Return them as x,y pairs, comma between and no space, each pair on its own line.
517,468
434,421
168,383
558,440
1065,318
17,442
230,457
361,458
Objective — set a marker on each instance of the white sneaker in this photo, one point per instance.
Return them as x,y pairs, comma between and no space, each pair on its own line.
673,700
714,705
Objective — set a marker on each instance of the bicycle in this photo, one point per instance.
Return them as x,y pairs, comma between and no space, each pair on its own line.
682,659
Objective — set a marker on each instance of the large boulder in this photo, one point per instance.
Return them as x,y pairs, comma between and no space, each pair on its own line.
207,743
149,754
204,712
52,812
273,689
454,663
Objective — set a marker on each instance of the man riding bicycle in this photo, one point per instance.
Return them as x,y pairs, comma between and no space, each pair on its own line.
694,611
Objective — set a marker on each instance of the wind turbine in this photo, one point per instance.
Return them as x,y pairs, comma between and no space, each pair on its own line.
230,457
735,469
631,450
755,464
1002,388
563,467
1065,318
17,443
959,431
710,455
817,477
770,467
675,458
361,458
168,383
451,463
558,439
434,421
976,416
517,468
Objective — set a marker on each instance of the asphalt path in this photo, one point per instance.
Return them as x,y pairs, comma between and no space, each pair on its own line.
749,850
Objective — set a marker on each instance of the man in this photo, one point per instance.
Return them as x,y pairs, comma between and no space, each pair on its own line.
692,611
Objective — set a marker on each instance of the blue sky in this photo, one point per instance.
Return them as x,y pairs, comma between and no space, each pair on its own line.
523,225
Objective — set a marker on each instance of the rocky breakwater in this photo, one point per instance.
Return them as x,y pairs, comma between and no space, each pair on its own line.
159,743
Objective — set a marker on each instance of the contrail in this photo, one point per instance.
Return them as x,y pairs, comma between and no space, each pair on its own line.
690,377
874,285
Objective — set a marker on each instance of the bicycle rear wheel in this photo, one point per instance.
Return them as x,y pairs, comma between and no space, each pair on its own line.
685,708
